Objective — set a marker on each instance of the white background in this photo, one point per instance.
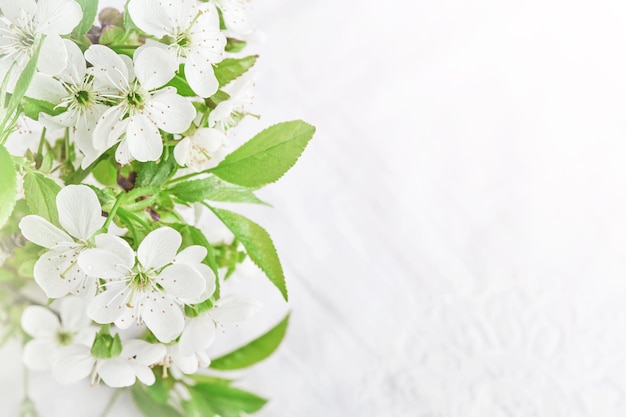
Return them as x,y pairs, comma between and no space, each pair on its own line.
455,236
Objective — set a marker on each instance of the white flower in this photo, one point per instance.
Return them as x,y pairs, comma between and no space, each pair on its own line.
241,96
180,365
74,89
151,290
202,150
199,332
144,107
80,214
236,15
192,33
133,363
24,25
50,335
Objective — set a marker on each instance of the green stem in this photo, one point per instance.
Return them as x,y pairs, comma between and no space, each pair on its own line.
186,177
42,140
111,215
111,403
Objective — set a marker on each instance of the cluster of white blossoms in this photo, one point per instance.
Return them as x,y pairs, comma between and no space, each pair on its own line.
116,131
121,302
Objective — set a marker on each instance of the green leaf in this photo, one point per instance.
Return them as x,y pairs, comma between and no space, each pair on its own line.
258,244
41,193
90,10
105,173
8,185
233,68
179,82
159,391
267,156
255,351
234,45
21,86
112,36
32,107
210,379
149,407
128,21
213,189
155,173
224,400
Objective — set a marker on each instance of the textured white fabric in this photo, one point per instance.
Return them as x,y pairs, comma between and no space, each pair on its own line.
455,236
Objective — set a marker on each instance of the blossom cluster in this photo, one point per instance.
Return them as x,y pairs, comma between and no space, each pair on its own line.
114,281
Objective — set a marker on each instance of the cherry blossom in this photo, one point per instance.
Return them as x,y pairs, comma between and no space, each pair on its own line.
202,150
147,287
26,23
134,362
80,214
192,34
51,333
143,105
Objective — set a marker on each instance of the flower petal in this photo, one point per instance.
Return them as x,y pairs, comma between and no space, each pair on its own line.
182,151
181,12
75,363
82,135
40,322
44,87
108,67
73,311
143,139
154,67
163,317
53,56
201,77
14,10
108,128
144,353
109,305
187,364
43,233
234,309
76,68
58,273
150,17
80,212
209,139
182,281
159,248
191,255
198,335
116,373
171,112
101,263
58,17
144,374
118,246
122,153
209,278
39,354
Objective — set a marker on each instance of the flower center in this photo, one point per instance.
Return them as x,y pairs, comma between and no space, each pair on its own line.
26,39
136,98
20,38
82,98
64,338
183,41
141,281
